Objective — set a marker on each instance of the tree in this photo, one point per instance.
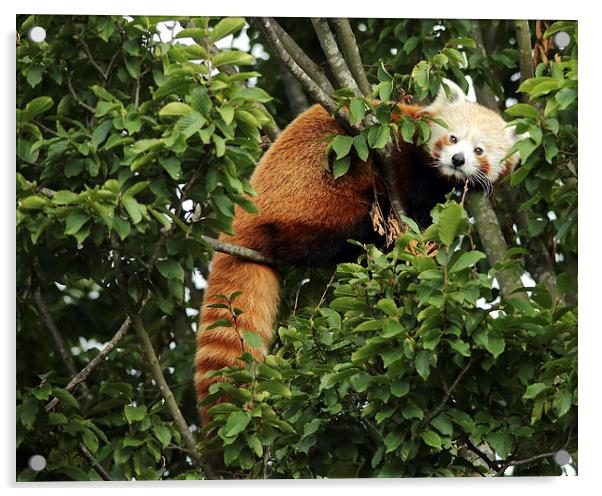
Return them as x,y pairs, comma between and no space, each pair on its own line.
132,152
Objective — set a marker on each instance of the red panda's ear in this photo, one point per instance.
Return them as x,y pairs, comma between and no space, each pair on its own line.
453,95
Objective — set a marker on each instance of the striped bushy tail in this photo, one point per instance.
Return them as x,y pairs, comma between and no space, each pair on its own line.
220,346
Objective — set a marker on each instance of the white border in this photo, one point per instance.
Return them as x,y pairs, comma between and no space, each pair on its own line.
589,226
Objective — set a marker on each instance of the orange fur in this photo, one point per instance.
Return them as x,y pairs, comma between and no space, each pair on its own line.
300,206
305,216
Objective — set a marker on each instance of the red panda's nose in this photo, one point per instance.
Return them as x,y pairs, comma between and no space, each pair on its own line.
458,160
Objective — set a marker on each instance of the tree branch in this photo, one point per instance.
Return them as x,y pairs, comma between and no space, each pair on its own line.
308,65
168,396
337,63
480,208
89,457
441,405
83,374
383,156
539,262
56,335
155,366
525,55
239,251
267,26
351,53
494,244
79,101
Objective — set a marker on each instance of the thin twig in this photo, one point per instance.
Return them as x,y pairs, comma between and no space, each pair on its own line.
83,374
89,457
56,335
492,464
79,101
91,59
441,405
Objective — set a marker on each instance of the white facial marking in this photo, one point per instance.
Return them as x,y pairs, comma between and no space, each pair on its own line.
470,127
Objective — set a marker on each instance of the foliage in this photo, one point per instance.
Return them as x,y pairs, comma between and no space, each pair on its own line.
132,148
359,387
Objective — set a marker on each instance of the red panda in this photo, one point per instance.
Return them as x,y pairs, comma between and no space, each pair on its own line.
306,216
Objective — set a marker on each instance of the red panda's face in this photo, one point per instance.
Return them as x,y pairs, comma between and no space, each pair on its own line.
475,144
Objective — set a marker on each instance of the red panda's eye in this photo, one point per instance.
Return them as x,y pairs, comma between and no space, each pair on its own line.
453,139
478,150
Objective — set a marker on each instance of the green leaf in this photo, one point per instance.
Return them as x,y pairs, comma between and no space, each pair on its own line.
133,208
450,221
495,344
388,306
534,390
431,438
134,413
274,387
232,57
34,76
393,439
357,110
227,113
175,109
466,260
172,166
501,443
523,110
254,94
382,136
423,364
252,339
225,27
75,221
361,147
65,396
190,123
101,132
463,42
341,144
163,435
36,107
170,269
400,388
236,423
341,166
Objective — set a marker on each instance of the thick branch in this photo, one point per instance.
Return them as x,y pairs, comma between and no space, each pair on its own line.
383,156
485,94
480,207
351,53
155,366
267,26
525,55
494,244
168,396
539,262
335,59
296,52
